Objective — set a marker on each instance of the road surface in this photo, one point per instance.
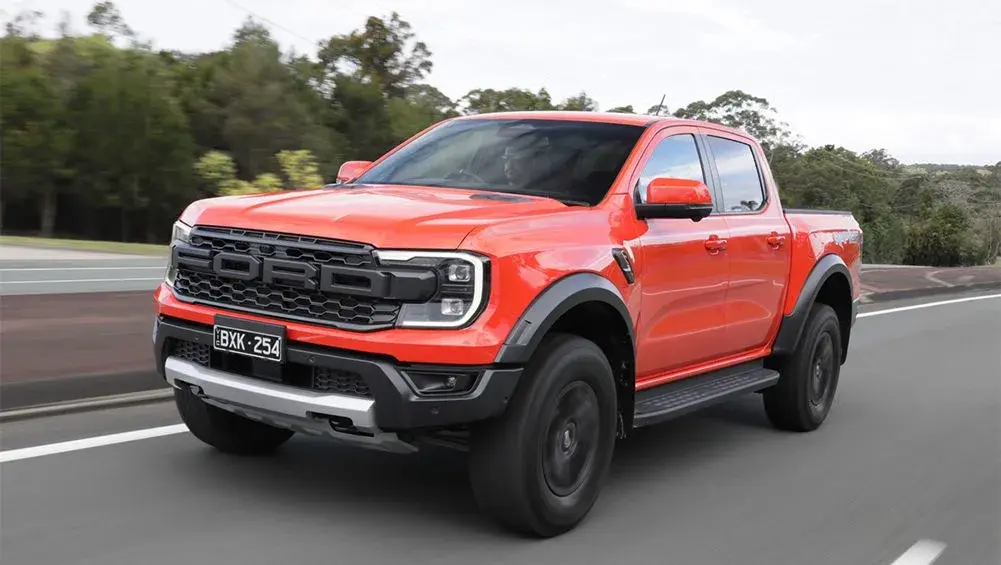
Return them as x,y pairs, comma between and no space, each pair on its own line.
26,270
906,471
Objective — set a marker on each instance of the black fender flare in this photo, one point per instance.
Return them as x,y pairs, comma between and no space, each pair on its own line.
793,324
556,300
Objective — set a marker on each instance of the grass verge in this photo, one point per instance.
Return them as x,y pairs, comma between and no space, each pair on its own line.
85,245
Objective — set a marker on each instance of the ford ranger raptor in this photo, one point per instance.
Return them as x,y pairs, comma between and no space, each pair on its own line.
530,287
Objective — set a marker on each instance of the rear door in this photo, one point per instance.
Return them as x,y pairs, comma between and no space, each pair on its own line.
758,243
683,281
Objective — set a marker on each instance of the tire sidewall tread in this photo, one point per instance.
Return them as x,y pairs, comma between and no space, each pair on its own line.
225,431
787,404
505,459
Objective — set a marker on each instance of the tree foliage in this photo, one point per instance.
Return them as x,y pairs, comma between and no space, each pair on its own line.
106,137
738,109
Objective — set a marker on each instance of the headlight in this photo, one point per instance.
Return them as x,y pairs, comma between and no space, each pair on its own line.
181,233
462,287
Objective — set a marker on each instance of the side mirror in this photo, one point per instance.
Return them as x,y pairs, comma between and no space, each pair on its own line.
675,198
352,170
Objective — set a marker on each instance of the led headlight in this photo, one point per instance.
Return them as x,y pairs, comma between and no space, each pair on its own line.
181,233
462,280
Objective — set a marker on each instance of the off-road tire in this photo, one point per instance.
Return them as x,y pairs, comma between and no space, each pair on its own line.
226,431
801,400
513,458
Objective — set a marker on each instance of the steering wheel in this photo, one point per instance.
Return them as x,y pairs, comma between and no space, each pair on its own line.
467,174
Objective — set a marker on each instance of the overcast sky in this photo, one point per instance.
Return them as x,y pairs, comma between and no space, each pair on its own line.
921,78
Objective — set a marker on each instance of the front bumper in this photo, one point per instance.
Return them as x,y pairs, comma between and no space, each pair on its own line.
382,400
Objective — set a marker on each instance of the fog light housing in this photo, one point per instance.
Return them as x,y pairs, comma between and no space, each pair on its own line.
435,383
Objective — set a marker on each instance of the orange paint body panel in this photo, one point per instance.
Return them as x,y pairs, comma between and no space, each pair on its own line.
816,235
707,294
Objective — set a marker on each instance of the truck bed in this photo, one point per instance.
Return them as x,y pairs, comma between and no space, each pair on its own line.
817,211
816,233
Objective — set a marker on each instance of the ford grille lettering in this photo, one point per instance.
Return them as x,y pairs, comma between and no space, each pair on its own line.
336,279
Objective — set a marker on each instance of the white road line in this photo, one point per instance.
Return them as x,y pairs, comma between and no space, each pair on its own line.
924,552
46,281
927,305
87,443
25,269
76,445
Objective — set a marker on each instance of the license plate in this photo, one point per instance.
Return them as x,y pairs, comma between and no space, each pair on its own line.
253,339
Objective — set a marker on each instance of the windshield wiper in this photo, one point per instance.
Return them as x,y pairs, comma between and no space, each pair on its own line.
348,185
557,197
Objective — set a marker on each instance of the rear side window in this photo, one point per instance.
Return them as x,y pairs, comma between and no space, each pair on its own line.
675,157
738,175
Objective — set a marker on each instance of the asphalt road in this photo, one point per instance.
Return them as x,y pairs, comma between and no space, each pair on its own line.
49,271
909,463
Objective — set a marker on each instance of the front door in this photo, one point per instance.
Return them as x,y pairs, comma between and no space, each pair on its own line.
683,275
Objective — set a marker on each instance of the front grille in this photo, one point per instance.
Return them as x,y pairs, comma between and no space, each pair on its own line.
340,382
320,379
191,351
283,246
285,301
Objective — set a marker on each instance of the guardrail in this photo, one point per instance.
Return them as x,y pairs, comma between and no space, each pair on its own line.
58,348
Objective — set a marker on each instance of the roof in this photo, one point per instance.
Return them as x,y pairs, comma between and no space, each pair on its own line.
604,117
607,117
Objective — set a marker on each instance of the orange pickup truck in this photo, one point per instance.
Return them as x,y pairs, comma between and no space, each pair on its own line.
530,287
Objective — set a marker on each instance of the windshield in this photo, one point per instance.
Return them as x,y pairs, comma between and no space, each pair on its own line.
572,161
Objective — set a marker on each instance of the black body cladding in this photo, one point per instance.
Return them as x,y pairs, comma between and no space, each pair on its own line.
393,385
793,324
552,303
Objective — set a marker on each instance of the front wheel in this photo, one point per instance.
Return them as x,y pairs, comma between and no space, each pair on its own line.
802,398
226,431
539,468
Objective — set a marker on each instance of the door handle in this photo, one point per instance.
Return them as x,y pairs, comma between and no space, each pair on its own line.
714,244
775,240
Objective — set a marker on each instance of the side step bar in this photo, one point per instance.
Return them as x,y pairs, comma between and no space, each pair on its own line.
680,397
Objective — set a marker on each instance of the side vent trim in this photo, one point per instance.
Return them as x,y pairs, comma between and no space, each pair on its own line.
622,259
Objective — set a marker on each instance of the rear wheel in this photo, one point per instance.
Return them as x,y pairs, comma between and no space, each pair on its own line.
802,398
226,431
539,468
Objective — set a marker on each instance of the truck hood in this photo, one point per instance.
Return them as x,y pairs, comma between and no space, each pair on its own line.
383,216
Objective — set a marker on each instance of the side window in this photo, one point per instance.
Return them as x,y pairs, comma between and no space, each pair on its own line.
738,175
676,157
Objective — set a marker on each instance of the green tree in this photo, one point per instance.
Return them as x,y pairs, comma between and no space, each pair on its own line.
100,124
383,54
485,100
363,117
106,17
143,169
300,169
580,102
628,109
36,140
835,178
738,109
421,106
260,110
217,171
881,159
941,238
